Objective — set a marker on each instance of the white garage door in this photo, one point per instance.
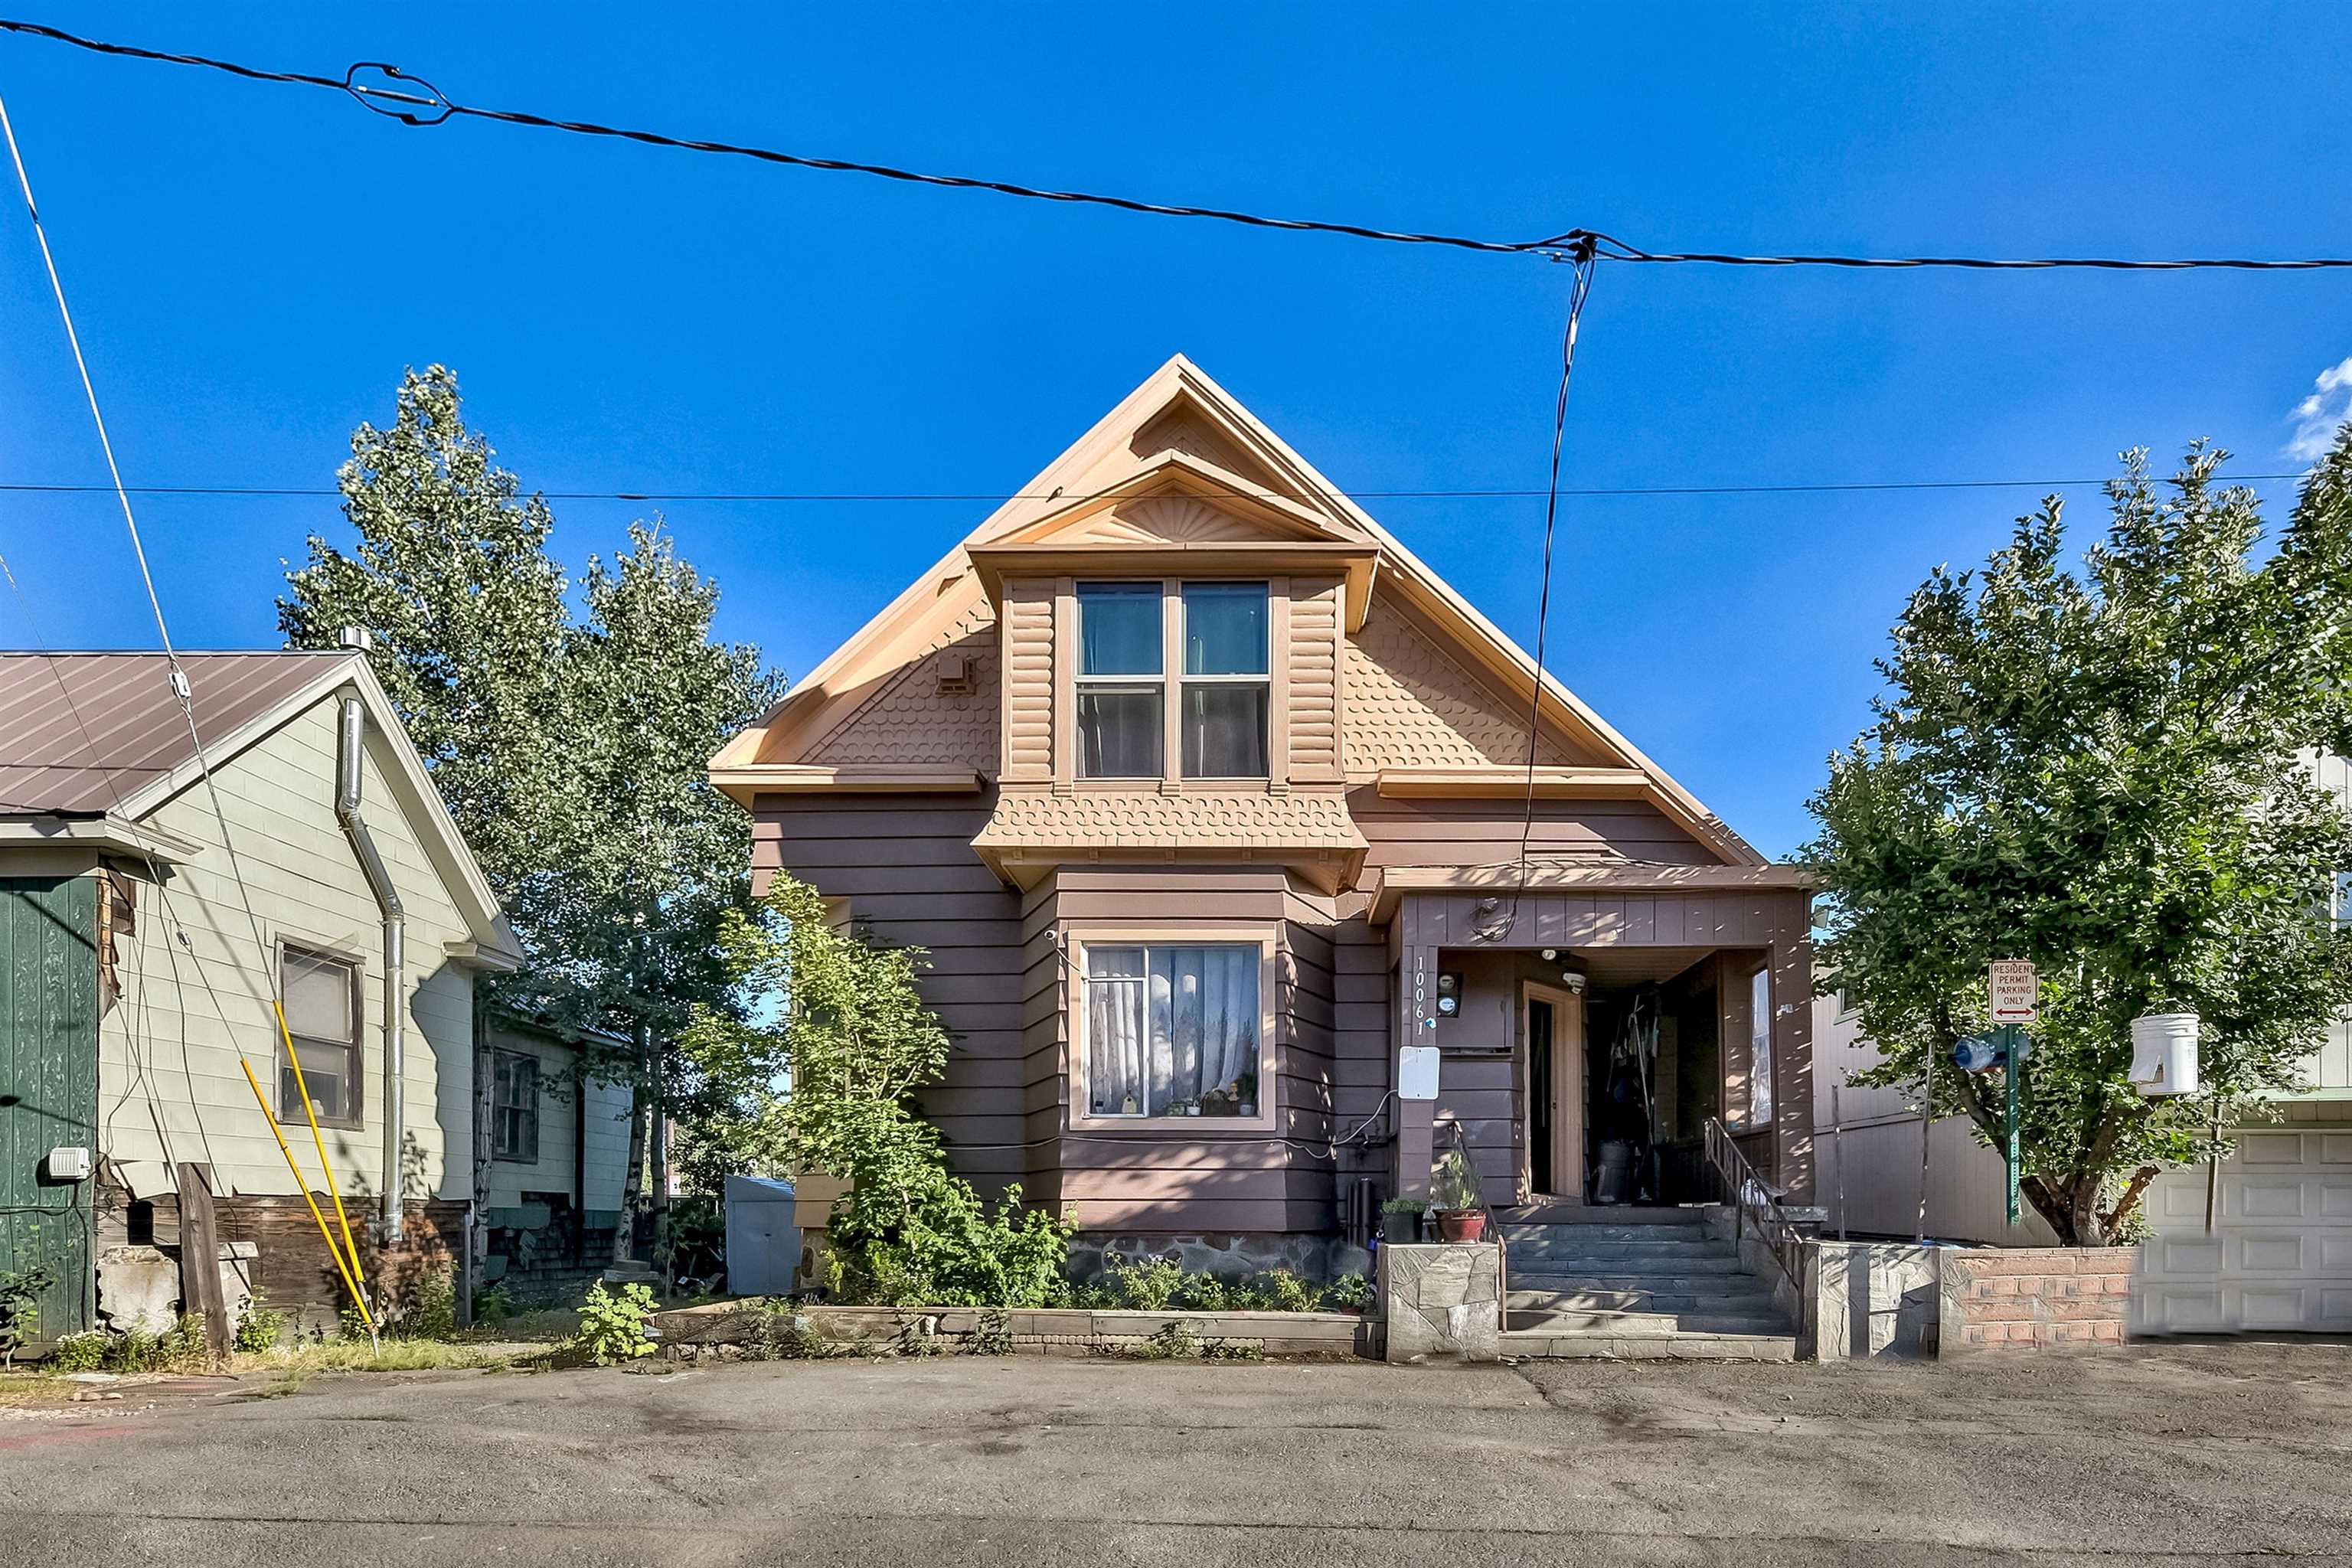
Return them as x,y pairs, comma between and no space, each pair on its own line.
2280,1253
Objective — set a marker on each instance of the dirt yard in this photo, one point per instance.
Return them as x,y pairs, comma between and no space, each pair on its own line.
2182,1454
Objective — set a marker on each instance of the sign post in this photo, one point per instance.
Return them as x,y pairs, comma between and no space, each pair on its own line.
2014,993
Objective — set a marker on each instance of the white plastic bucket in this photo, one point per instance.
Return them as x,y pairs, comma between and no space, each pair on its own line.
2164,1053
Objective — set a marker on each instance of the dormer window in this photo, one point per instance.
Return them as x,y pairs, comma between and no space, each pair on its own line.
1225,693
1216,635
1121,686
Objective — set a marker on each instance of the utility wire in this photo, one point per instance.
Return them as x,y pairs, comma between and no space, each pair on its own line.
271,492
1579,289
420,104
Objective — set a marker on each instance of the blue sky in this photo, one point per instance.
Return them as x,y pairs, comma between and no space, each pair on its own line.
252,266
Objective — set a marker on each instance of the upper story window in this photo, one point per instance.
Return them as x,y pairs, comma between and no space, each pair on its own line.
1121,683
1226,688
514,1107
1129,633
320,996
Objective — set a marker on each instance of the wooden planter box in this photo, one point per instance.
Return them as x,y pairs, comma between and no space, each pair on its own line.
1051,1331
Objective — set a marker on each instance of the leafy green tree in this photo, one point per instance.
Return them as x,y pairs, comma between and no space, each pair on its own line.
570,754
2107,771
857,1044
451,575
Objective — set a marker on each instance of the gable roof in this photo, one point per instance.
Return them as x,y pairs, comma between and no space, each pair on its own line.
135,733
1177,431
101,735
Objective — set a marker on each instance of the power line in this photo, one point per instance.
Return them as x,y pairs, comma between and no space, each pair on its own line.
268,493
420,104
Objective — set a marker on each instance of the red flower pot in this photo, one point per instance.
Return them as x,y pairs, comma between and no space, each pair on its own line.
1460,1225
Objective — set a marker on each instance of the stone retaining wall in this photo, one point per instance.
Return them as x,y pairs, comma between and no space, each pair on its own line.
1443,1301
2032,1298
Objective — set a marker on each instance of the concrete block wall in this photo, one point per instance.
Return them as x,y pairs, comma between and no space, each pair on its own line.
2034,1297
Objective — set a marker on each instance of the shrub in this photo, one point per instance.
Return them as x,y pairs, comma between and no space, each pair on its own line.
431,1310
1203,1294
991,1333
1283,1291
260,1326
1347,1293
81,1353
860,1043
1146,1285
493,1305
20,1304
1169,1342
613,1325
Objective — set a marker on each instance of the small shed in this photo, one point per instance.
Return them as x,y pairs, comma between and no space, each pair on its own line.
763,1245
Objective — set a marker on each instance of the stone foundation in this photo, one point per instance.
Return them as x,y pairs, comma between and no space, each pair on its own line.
1318,1259
2032,1298
1443,1301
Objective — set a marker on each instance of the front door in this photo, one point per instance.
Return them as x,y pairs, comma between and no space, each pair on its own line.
1551,1029
48,1090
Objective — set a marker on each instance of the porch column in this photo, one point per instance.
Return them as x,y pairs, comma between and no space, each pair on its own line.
1416,981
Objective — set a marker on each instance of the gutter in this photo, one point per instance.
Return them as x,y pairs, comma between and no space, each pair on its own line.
350,751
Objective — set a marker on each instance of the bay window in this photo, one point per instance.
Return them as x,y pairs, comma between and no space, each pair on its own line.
1172,1030
1225,690
1120,685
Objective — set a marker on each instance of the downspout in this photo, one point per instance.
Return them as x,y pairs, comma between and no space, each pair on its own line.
349,752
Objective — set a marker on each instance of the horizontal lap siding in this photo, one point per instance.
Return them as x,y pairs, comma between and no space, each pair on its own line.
1148,1179
907,866
1486,832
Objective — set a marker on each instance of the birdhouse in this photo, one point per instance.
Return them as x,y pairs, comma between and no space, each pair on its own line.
2164,1054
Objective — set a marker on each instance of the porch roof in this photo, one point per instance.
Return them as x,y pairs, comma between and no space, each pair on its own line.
1397,882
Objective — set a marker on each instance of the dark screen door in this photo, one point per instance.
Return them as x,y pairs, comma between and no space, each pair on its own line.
1539,1096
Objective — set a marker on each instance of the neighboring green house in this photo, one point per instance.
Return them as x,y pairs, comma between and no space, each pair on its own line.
139,970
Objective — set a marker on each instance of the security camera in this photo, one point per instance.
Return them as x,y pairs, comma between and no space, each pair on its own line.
1574,980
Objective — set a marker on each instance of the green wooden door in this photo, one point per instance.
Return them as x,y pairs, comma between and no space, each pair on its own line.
49,1089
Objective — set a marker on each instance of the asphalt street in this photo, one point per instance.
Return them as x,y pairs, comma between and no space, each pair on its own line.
2181,1454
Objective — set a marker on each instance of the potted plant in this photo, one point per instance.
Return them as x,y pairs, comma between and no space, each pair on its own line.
1400,1221
1453,1198
1245,1093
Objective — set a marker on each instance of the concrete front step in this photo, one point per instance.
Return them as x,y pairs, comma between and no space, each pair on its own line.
1539,1234
1536,1344
1583,1298
1600,1214
1703,1321
1620,1257
1639,1280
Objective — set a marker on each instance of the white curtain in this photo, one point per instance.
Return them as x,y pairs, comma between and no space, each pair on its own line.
1115,1079
1168,1025
1205,1007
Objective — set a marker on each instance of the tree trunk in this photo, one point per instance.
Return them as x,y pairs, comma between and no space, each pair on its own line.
632,1179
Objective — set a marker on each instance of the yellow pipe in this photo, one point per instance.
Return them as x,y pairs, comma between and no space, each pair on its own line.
326,1168
358,1296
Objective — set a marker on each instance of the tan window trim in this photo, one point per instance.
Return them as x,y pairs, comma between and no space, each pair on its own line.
1076,939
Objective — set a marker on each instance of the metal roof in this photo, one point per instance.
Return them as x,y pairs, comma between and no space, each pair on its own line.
80,732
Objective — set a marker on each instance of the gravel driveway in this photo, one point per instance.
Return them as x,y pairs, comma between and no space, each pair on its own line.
2172,1454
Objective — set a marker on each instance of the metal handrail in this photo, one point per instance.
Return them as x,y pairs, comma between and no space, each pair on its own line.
1753,1204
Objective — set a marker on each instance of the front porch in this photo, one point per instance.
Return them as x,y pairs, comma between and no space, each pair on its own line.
1592,1021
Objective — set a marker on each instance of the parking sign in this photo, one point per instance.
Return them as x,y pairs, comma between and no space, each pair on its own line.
2014,991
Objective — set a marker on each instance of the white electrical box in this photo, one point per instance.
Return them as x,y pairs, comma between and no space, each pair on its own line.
69,1164
1417,1072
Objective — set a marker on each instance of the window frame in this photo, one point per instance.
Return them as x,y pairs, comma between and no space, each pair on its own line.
1760,1050
1078,940
1082,683
1186,681
355,1079
498,1108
